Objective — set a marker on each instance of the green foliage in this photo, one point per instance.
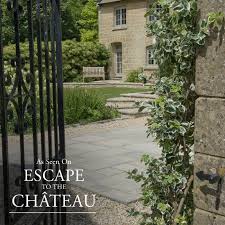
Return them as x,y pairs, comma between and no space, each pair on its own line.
164,179
171,119
133,76
89,22
112,92
7,23
10,51
12,113
161,185
7,28
171,122
83,105
75,56
70,14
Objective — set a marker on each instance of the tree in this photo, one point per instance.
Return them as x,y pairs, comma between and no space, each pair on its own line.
89,22
8,25
71,12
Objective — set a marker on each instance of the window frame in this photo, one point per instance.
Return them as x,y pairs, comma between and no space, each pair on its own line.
150,56
120,19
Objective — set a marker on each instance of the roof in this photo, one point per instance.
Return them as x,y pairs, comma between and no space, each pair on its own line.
107,1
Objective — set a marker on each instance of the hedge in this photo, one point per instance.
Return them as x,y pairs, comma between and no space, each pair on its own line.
76,55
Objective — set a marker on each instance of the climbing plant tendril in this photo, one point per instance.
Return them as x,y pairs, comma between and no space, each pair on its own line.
167,181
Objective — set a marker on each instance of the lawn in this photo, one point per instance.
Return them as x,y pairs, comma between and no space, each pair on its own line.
110,92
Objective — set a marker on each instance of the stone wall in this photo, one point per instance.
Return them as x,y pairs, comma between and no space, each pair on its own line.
133,36
210,123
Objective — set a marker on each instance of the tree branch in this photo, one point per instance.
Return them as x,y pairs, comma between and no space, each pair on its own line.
191,179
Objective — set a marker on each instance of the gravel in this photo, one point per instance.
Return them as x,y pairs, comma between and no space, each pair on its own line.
108,212
78,130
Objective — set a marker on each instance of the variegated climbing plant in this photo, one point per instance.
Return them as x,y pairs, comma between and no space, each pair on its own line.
167,181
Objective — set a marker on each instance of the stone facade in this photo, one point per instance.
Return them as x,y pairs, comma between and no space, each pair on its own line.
210,123
132,36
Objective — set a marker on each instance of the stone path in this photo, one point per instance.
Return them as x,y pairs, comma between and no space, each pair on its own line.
106,151
126,104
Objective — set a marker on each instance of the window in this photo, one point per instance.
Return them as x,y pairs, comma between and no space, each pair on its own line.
119,65
150,56
120,16
157,10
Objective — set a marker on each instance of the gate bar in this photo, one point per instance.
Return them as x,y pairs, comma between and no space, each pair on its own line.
58,31
33,85
40,77
4,132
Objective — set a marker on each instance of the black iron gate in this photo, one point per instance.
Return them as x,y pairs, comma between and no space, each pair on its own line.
31,103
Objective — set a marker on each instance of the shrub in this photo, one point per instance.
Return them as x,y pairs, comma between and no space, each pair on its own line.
10,79
133,76
76,55
85,105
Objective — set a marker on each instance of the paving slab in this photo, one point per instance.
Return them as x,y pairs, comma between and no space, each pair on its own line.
127,99
108,154
128,166
140,95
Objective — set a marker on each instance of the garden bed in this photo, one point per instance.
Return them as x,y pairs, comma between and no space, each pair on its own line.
84,105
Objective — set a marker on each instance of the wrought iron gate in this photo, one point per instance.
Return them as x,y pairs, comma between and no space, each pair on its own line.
31,95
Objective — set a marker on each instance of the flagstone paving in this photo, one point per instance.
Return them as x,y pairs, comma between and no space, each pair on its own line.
106,151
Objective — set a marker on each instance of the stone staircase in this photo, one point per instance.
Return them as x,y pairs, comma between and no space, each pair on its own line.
126,103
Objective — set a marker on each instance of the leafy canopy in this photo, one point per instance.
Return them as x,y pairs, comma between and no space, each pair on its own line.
70,14
89,22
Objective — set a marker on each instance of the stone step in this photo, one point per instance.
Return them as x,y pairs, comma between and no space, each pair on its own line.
125,104
127,99
132,112
146,95
122,105
117,78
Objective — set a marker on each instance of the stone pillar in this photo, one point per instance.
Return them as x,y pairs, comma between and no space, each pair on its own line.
210,123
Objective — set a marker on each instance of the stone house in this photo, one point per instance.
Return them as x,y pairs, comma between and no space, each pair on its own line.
122,29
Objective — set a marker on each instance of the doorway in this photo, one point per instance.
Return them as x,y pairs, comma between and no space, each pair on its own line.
118,60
